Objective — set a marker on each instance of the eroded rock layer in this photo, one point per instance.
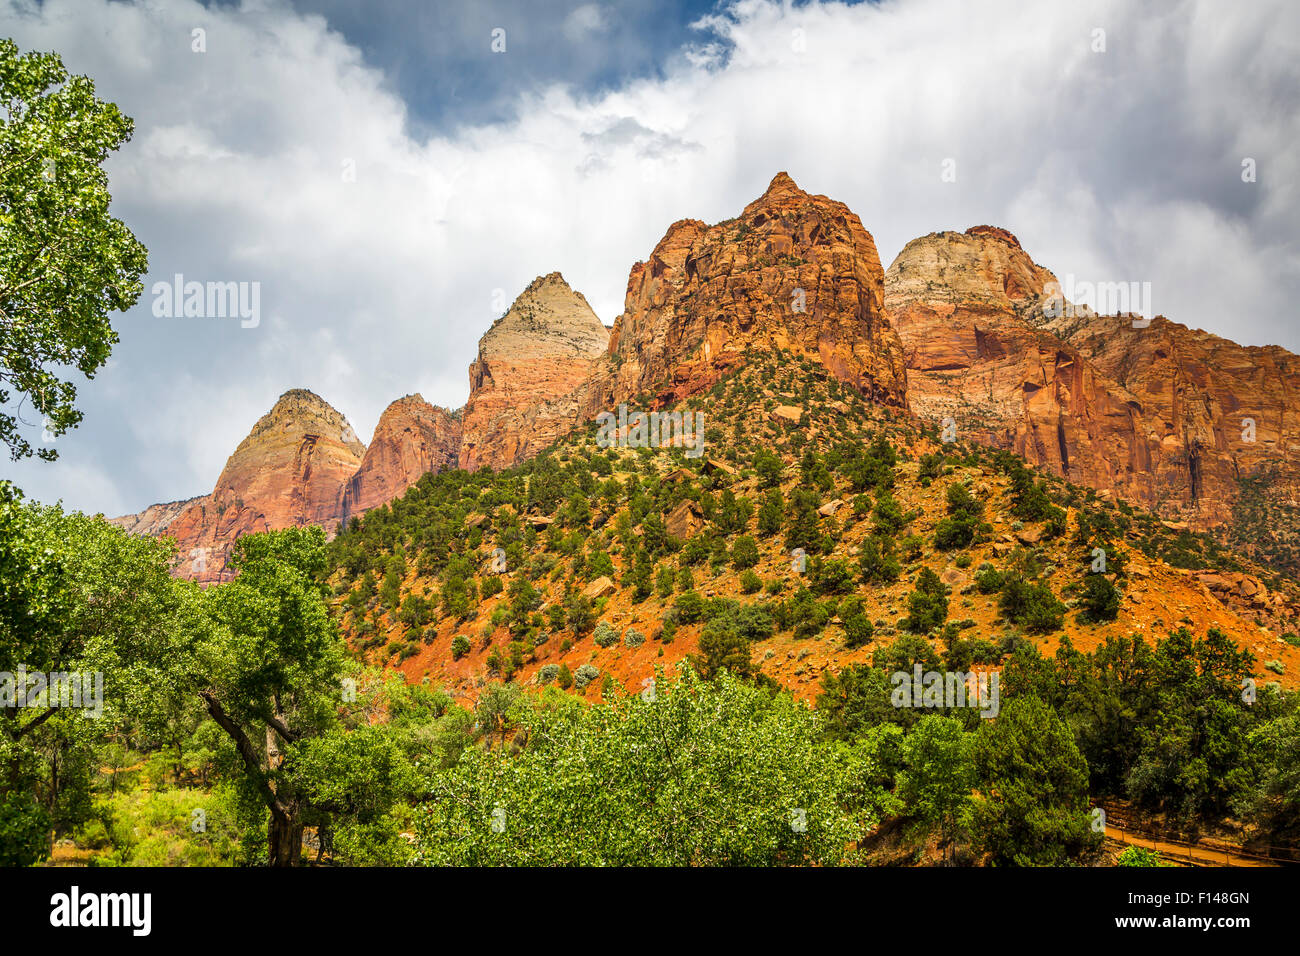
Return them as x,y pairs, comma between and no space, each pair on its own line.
794,271
529,364
412,437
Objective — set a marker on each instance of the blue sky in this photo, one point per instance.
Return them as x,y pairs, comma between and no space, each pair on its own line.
438,57
391,183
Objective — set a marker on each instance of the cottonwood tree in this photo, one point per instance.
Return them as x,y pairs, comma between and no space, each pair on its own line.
65,263
269,671
77,595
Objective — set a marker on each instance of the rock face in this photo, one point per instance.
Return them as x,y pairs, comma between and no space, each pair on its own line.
412,437
794,271
1159,414
289,472
1183,423
529,364
155,519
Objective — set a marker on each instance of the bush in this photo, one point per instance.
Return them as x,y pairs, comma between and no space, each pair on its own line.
804,614
633,638
1100,600
750,582
1276,666
689,607
858,629
928,604
1140,856
548,673
1033,606
988,579
581,615
877,562
606,634
744,553
832,576
459,646
584,675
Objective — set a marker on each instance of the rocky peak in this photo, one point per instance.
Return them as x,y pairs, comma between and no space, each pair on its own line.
529,364
1154,414
548,317
289,472
984,264
794,271
411,438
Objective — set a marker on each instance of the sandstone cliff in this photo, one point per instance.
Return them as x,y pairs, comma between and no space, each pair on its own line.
289,472
1166,417
412,437
529,364
793,271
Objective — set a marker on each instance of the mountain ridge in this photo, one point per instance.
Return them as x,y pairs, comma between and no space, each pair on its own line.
955,329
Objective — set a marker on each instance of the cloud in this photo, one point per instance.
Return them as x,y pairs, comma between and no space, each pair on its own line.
285,156
585,21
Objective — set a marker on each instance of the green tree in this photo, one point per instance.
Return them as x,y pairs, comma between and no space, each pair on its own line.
78,597
938,778
269,671
928,604
65,263
700,773
1033,784
1100,601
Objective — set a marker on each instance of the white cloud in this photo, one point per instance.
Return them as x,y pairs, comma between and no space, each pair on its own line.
1119,165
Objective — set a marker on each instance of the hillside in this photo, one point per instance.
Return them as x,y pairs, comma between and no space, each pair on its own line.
617,559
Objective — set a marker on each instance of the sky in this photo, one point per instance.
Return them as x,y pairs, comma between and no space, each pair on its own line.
389,176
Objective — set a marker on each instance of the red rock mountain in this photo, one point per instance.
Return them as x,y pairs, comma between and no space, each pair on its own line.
529,364
793,271
1163,416
1173,419
289,472
412,437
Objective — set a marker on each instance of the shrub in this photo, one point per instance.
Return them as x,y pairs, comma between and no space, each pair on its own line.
1276,666
564,678
988,579
606,634
459,646
581,615
633,638
1100,600
689,607
744,553
491,585
584,675
877,561
832,576
928,604
804,614
1033,606
750,582
548,673
858,629
1140,856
